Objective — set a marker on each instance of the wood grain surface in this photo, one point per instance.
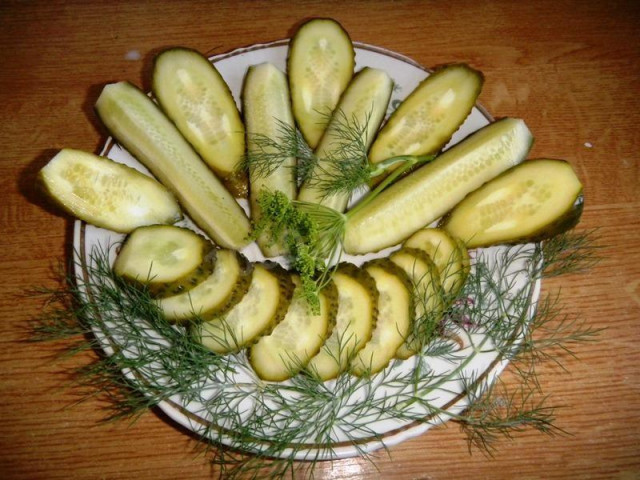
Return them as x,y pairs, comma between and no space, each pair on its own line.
570,69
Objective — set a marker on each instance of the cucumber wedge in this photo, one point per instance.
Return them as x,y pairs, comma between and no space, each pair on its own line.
395,314
166,260
107,194
320,66
356,319
426,194
220,291
531,202
266,107
425,121
425,282
296,339
197,99
256,314
365,103
449,255
137,122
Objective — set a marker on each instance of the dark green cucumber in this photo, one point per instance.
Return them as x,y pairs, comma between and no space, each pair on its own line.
198,100
319,66
266,107
528,203
105,193
296,339
144,130
262,307
425,121
165,259
425,195
365,102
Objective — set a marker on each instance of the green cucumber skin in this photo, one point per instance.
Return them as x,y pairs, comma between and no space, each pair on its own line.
144,130
556,226
420,198
222,153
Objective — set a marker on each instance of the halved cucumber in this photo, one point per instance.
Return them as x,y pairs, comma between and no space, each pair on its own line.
426,194
365,103
355,321
428,300
266,107
105,193
531,202
425,121
226,285
395,314
139,124
256,314
449,255
320,66
296,339
165,259
198,100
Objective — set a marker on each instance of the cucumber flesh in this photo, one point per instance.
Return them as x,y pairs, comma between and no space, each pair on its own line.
425,121
296,339
164,258
425,282
395,314
425,195
197,99
355,321
260,310
319,66
226,285
531,202
365,102
139,124
266,106
449,256
107,194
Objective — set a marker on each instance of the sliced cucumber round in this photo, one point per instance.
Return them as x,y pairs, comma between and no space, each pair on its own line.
395,314
221,290
531,202
197,99
256,314
320,66
428,300
107,194
164,259
355,321
296,339
422,197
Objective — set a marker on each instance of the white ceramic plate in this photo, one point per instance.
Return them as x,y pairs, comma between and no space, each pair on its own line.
374,429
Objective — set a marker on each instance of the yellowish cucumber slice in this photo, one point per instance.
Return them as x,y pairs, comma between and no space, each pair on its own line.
425,121
428,300
267,108
107,194
226,285
296,339
164,259
139,124
395,314
198,100
418,199
320,66
531,202
355,321
365,103
449,255
256,314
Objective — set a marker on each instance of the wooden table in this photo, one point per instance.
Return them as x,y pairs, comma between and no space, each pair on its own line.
570,69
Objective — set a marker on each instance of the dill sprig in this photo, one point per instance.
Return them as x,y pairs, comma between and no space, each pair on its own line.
259,429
